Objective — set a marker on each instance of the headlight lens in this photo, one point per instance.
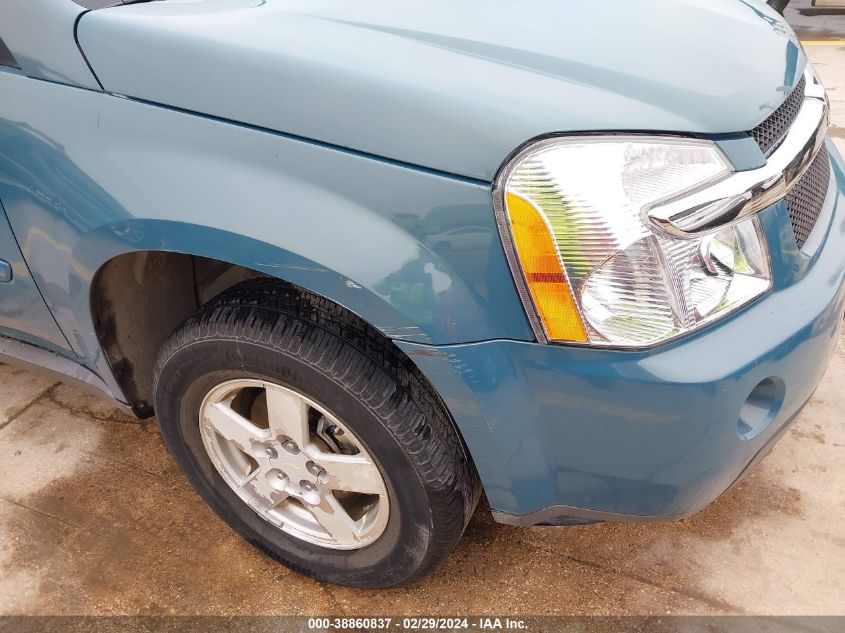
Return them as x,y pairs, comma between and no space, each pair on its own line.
591,266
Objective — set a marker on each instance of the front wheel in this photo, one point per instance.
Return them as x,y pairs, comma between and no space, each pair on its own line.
313,437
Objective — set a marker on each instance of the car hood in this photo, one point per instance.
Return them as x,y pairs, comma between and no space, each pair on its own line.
450,85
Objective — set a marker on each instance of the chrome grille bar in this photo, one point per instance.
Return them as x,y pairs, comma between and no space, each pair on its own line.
742,194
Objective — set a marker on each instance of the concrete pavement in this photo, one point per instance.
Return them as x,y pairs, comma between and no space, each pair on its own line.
816,23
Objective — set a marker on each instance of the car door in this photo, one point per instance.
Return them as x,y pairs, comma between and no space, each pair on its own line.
23,313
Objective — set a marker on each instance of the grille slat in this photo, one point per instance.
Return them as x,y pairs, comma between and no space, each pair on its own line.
806,199
771,131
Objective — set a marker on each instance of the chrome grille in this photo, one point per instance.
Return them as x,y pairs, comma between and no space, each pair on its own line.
806,198
771,131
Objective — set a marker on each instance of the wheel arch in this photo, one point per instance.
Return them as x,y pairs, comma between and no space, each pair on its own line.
138,297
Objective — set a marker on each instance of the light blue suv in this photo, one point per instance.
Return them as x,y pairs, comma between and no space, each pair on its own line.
364,260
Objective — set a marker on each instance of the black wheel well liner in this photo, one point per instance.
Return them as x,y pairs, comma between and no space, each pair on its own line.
138,300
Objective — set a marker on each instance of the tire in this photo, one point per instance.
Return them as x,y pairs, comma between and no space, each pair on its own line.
304,345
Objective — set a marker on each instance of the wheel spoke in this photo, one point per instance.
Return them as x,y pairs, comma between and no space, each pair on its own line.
232,426
288,416
335,520
352,473
262,493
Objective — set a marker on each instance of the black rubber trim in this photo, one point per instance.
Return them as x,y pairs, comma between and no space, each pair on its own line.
104,4
778,5
6,57
82,52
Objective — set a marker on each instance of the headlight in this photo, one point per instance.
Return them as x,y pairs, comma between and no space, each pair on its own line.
592,269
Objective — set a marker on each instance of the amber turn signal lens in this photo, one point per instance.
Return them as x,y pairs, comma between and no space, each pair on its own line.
544,276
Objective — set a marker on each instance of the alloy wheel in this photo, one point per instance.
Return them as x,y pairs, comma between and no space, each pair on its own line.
294,463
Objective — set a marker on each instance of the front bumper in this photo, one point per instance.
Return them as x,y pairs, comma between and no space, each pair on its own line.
560,432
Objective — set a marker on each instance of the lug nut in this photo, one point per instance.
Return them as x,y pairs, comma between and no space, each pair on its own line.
290,446
314,469
270,452
306,485
278,481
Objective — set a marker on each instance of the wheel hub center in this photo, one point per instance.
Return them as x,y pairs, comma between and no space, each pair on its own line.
288,469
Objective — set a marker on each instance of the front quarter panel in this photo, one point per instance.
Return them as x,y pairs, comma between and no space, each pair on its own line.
87,176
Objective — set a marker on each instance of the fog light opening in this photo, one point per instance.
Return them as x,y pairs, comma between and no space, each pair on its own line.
761,408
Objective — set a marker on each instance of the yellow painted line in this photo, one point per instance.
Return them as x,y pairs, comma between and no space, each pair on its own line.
823,42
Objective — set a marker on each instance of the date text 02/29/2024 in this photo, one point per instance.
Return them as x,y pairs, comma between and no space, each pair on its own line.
417,623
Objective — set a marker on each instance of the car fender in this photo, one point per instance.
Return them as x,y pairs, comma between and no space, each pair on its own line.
103,175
